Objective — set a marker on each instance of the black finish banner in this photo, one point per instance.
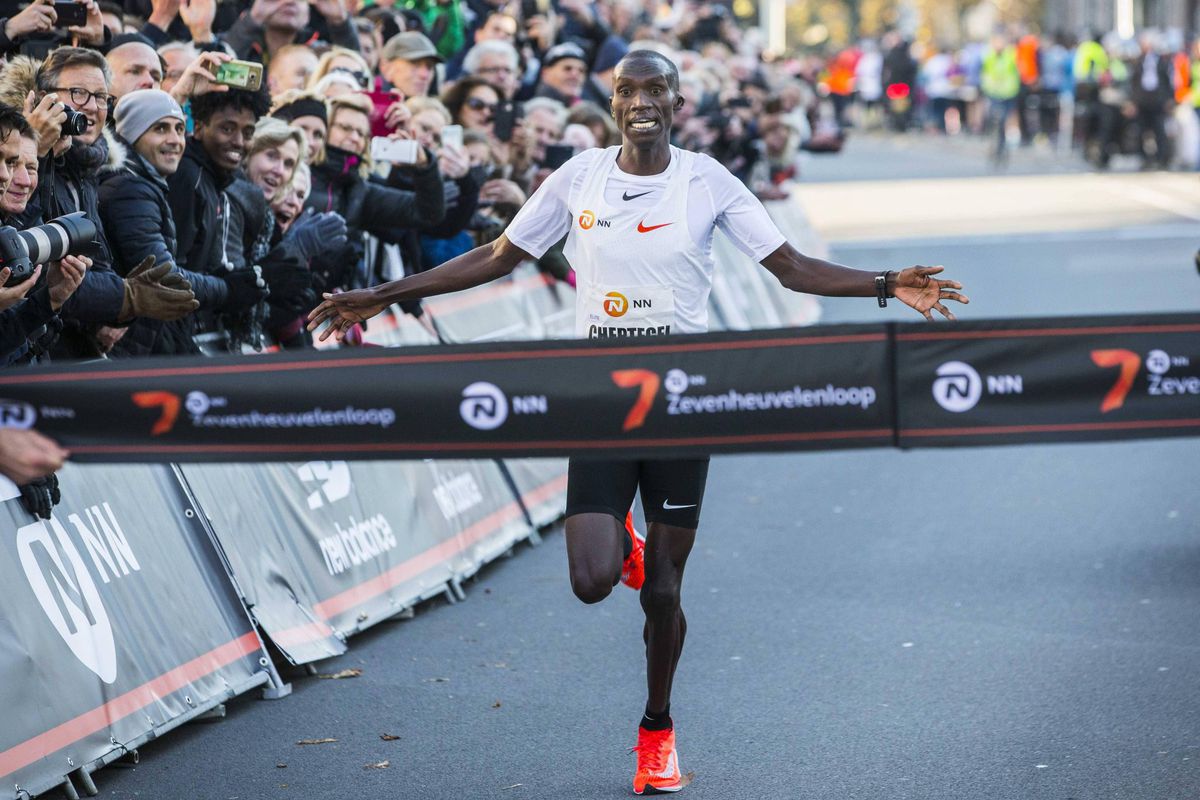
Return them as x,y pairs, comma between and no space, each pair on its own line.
771,390
1049,380
1063,379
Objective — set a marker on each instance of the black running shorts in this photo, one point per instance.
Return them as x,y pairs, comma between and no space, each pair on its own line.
672,491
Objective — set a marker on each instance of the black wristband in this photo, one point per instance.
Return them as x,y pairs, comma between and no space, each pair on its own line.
881,289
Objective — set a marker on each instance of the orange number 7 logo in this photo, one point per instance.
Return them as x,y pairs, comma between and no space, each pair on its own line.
168,402
648,381
1129,362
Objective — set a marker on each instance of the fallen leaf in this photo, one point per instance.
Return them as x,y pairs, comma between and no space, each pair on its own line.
496,704
388,737
316,741
353,672
281,765
378,765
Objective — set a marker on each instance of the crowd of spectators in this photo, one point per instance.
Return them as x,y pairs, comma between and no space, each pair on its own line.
1099,93
382,139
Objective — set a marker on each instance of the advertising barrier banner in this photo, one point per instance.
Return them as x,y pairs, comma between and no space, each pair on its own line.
677,396
116,623
324,549
1049,380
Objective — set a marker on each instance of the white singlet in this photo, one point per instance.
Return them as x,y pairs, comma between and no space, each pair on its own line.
641,246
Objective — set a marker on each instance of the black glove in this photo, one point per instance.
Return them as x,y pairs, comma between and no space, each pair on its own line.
290,282
246,290
41,496
313,233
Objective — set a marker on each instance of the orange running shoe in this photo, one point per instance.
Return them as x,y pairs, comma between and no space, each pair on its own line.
657,763
633,572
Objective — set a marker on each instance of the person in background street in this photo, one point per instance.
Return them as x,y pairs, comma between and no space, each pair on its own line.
1153,97
1000,82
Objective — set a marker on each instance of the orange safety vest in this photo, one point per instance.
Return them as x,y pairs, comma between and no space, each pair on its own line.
1183,77
841,72
1027,59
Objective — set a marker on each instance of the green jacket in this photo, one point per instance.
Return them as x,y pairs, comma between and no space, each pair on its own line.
1000,79
1091,61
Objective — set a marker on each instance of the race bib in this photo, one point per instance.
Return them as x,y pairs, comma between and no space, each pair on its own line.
628,311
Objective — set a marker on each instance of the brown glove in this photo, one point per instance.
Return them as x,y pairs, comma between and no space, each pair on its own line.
157,292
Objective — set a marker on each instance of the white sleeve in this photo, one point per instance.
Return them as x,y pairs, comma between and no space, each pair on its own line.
545,218
738,213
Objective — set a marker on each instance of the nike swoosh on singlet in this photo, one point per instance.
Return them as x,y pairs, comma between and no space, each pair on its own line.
642,228
627,196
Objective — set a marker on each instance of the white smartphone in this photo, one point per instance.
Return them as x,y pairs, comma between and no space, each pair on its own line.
394,151
452,136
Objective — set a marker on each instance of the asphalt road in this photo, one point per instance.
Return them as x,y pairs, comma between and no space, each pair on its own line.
988,623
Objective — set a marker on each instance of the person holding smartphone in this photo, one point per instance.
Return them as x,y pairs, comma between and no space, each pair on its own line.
342,183
660,206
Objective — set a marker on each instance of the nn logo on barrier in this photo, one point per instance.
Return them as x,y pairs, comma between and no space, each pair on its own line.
65,588
485,407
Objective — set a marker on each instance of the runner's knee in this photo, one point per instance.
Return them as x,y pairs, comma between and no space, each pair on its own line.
660,597
591,588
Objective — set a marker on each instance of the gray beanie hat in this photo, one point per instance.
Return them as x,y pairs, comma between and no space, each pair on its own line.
137,111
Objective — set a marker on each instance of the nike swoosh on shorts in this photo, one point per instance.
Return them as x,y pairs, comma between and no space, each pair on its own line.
668,507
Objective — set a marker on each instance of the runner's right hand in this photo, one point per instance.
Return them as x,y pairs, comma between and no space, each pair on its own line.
343,310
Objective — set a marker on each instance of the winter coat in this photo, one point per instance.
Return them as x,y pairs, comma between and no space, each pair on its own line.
248,39
369,207
199,208
134,202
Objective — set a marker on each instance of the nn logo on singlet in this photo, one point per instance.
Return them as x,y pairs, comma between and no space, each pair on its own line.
617,304
587,221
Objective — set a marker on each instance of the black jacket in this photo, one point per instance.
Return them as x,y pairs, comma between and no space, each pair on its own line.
248,39
371,207
1160,96
135,199
66,185
199,208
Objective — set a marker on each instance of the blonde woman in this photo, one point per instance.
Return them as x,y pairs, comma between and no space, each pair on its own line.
275,151
346,62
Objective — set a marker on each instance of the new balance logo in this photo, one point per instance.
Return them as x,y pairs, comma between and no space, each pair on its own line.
334,477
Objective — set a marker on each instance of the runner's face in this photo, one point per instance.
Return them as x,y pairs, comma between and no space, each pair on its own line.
643,103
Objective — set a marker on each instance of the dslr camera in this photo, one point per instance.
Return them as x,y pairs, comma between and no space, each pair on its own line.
20,251
76,124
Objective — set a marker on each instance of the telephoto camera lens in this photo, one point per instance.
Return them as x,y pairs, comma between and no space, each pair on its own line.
20,251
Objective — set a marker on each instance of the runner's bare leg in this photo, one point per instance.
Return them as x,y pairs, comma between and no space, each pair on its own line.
595,554
667,549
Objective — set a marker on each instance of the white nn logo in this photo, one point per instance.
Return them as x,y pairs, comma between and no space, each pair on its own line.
957,387
483,407
15,414
68,595
334,477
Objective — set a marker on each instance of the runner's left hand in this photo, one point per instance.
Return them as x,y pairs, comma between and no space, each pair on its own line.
915,287
343,310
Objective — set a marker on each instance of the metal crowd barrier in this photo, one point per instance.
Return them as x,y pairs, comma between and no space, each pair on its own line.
142,603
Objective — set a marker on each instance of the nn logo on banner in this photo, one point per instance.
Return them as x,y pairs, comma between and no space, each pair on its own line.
65,588
485,406
958,386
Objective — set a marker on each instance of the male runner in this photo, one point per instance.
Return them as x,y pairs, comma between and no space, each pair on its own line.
640,220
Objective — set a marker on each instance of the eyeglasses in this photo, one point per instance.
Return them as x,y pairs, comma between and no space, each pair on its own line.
499,70
350,129
476,104
81,97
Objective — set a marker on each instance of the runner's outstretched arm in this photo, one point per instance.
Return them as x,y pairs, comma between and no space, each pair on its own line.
481,265
913,286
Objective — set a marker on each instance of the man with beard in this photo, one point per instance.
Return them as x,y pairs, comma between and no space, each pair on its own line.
661,206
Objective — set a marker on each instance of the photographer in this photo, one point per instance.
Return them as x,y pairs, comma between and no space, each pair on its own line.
69,92
32,324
